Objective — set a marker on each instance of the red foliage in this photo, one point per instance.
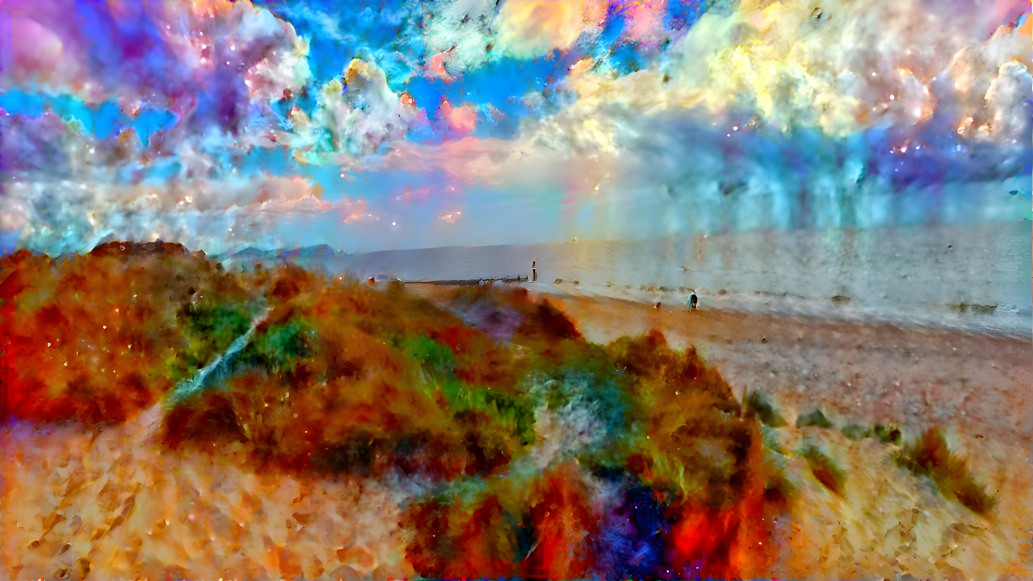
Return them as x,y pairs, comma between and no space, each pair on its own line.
430,550
213,421
563,522
87,338
701,539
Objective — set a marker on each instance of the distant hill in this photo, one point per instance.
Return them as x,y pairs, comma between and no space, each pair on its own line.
252,255
318,251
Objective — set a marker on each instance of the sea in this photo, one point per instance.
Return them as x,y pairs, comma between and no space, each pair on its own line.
971,278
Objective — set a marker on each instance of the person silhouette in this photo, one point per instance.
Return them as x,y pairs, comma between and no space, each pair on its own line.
534,270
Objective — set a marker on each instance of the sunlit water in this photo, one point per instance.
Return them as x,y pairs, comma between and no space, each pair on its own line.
972,278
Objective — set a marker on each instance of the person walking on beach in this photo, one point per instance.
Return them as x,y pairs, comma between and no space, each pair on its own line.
534,270
692,300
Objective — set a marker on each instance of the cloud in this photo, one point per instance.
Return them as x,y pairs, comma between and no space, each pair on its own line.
38,55
64,190
840,67
757,100
990,83
460,120
356,117
533,28
462,35
59,216
1007,101
147,50
460,31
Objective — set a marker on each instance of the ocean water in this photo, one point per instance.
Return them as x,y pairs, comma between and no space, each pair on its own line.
975,278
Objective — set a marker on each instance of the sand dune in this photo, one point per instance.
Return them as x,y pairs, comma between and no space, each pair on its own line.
114,497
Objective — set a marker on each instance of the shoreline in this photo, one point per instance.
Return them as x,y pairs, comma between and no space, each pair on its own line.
829,315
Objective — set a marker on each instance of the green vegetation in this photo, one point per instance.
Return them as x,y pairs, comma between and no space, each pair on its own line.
884,434
756,405
825,469
929,456
813,418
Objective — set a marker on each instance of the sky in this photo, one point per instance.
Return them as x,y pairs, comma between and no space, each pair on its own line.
383,124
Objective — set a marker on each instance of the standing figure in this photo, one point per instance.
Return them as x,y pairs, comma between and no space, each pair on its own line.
692,300
534,270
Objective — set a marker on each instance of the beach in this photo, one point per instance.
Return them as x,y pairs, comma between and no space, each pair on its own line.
79,500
